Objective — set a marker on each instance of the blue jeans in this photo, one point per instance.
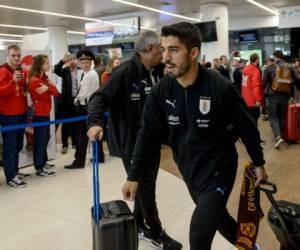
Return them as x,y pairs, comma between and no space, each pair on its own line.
12,144
277,105
40,142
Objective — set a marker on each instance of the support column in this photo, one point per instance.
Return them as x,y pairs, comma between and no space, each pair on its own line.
57,42
216,12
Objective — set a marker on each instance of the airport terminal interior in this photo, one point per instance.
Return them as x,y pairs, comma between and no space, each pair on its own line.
52,210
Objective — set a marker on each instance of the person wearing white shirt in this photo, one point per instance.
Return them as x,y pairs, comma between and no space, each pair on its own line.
88,83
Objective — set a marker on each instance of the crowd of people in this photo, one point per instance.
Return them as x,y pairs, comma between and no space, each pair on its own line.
160,95
255,83
27,96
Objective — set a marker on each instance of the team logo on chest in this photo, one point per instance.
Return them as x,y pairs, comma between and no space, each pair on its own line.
204,104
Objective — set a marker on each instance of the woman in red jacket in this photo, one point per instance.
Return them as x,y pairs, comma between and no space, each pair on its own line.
41,89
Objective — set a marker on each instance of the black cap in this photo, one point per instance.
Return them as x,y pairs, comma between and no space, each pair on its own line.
242,60
85,55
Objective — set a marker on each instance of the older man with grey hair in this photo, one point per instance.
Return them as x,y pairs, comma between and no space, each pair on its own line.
124,96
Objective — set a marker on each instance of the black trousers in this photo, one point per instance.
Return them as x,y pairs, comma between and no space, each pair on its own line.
82,139
68,129
255,113
145,208
211,215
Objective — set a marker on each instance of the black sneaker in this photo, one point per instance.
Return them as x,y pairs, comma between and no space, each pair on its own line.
23,175
45,172
144,233
165,242
17,183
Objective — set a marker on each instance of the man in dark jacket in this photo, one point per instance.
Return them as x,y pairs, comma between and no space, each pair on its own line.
224,68
200,114
277,101
124,95
67,70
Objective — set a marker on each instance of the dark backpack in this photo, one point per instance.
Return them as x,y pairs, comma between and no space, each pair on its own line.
282,81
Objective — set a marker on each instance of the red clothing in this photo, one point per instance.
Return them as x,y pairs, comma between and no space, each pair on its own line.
13,99
42,103
105,76
252,89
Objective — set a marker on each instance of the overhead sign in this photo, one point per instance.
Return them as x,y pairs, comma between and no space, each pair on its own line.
113,31
289,17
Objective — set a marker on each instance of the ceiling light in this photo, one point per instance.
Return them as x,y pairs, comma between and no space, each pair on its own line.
11,40
49,13
75,32
273,11
61,15
22,27
12,35
157,10
32,28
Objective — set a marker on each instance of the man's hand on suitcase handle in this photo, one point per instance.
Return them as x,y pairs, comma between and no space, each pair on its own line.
94,133
129,190
261,175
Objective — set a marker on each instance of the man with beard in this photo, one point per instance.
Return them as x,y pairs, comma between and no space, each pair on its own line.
200,114
124,95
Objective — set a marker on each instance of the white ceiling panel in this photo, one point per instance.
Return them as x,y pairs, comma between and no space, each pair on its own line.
107,9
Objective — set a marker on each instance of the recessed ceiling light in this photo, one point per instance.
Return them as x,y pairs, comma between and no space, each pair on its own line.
49,13
273,11
22,27
12,35
33,28
11,40
157,10
61,15
75,32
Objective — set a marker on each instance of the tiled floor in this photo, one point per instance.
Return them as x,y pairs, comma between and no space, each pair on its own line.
53,213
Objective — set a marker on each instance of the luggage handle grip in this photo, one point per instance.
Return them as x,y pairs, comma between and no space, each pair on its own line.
96,189
272,189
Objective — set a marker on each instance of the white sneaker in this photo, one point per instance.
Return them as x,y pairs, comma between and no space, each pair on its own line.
23,175
45,172
17,183
278,143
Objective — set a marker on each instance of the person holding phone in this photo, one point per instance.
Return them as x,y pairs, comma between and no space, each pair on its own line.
41,89
13,109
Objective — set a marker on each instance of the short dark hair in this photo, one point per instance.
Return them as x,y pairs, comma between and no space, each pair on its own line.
208,65
222,56
253,57
278,54
187,33
13,47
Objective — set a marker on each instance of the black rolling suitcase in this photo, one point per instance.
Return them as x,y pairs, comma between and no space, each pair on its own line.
114,227
284,219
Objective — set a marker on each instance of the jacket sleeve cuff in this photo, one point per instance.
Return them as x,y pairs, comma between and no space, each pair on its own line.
132,177
259,163
99,123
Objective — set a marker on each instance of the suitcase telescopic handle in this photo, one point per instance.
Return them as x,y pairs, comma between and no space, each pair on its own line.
272,189
268,187
96,186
